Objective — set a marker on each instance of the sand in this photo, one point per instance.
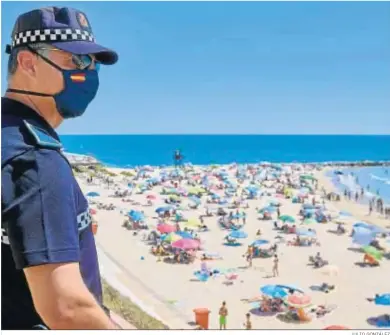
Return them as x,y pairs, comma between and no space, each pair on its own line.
172,291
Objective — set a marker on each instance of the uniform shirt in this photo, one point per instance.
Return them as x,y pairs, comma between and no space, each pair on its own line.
45,216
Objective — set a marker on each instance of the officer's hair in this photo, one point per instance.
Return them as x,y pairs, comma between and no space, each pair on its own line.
13,57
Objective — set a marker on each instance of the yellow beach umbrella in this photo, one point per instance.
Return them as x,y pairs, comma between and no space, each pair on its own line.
193,222
172,237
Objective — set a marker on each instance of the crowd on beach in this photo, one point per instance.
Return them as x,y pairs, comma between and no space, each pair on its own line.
172,210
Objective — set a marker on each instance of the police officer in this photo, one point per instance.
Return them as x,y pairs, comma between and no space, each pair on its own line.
50,274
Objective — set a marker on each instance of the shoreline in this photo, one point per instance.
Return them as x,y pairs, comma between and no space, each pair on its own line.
360,211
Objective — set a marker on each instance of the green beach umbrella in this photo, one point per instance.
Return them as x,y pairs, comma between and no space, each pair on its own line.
309,221
287,218
374,252
308,177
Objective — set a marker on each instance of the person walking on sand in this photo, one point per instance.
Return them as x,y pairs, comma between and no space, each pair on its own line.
249,256
248,322
223,312
275,269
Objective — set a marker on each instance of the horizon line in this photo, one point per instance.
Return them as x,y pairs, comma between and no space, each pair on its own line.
217,134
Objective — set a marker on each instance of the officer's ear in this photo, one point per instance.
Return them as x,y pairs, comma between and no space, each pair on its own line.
27,62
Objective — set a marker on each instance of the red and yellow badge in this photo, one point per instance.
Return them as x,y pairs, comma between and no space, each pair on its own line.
82,20
78,77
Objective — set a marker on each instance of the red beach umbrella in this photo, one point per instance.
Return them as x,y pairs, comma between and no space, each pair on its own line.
165,228
299,301
336,327
186,244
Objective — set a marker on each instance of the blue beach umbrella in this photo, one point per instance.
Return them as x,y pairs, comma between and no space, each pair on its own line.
184,234
274,291
258,243
196,200
362,236
238,234
163,209
93,194
304,232
269,209
345,213
373,228
136,216
383,299
291,287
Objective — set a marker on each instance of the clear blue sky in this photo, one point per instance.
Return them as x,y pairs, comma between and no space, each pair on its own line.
236,67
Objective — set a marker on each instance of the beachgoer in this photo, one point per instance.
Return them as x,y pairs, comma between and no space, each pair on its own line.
223,312
248,322
275,269
46,228
249,255
159,252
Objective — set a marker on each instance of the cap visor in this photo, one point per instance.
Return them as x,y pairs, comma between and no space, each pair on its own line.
102,54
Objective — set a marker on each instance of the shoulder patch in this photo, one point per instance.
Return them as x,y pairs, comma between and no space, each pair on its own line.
42,138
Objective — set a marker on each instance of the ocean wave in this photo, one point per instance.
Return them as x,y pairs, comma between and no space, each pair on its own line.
385,180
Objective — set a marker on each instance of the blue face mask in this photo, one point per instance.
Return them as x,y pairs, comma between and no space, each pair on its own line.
80,88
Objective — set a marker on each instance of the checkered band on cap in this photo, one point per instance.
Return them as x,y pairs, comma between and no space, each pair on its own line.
51,36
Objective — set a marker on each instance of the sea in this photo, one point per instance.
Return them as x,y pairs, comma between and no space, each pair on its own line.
134,150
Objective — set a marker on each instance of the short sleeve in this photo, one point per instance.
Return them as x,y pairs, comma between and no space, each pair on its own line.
42,223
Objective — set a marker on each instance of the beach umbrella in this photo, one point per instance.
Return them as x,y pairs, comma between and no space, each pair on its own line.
186,244
196,200
299,301
291,287
238,234
274,291
336,327
383,299
193,222
308,206
309,221
171,237
362,236
136,216
307,233
308,177
184,234
196,190
163,209
174,197
93,194
373,228
374,252
165,228
274,202
345,213
151,197
258,243
286,218
268,209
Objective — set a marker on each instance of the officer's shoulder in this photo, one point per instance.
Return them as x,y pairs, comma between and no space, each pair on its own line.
40,137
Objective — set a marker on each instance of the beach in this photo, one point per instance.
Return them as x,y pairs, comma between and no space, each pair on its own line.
172,291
